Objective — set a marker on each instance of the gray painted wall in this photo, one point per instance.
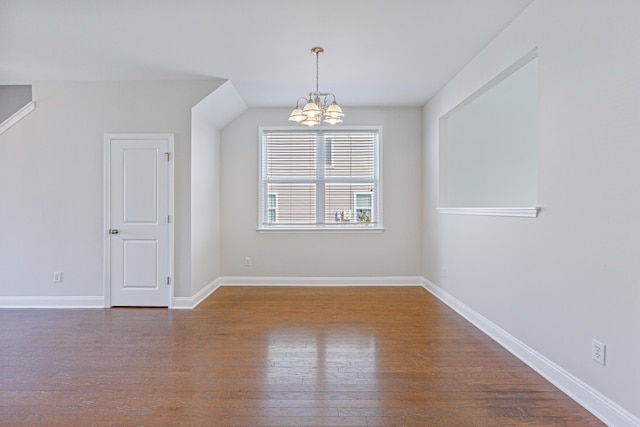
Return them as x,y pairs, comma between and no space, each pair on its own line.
51,180
572,274
205,203
395,252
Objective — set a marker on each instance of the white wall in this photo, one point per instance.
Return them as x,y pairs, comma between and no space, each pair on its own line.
210,115
51,180
205,202
395,252
573,273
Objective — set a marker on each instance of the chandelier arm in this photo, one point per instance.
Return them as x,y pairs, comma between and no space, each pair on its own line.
328,101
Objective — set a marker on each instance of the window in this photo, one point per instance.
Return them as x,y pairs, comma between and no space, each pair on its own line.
272,207
363,205
320,179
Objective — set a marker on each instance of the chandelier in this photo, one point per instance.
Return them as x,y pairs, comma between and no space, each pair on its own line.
319,107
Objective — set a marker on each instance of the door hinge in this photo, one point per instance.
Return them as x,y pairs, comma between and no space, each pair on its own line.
168,280
168,156
169,218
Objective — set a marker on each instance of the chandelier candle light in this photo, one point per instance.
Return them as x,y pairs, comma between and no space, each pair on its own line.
318,106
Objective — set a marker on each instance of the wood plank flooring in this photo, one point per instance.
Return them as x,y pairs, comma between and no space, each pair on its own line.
278,356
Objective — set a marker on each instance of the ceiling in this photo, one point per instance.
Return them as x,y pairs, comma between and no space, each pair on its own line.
377,52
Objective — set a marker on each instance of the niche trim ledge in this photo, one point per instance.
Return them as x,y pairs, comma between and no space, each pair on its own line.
526,212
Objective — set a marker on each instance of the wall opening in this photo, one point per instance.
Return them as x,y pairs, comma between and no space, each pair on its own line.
489,143
16,102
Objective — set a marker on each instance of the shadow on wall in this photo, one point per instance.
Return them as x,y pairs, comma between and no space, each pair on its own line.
16,101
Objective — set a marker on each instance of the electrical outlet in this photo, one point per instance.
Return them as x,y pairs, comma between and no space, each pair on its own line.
57,277
598,352
247,261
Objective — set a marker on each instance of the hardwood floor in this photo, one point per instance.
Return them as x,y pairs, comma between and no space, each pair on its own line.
251,356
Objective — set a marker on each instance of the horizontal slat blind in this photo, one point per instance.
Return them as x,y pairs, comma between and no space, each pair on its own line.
352,155
296,203
291,155
319,178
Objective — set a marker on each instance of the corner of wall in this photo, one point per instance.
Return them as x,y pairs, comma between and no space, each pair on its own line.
208,117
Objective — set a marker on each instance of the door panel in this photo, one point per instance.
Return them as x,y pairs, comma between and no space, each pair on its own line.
140,185
140,259
140,232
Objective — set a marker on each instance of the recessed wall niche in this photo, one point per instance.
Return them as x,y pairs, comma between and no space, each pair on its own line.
489,147
13,98
16,102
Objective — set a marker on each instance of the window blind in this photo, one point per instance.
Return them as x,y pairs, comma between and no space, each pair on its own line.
319,178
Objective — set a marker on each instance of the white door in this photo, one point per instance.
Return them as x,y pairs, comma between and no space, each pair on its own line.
139,211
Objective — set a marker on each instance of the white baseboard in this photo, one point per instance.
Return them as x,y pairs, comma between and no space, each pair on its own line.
52,302
595,402
193,301
321,281
187,303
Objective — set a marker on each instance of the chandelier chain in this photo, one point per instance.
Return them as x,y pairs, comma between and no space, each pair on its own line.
317,71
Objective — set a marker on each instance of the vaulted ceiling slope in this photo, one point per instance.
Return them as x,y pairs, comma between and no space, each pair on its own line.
377,52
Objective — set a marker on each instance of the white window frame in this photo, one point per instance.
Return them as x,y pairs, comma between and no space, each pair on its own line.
356,226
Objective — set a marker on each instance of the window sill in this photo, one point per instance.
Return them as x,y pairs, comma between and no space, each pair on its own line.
324,229
528,212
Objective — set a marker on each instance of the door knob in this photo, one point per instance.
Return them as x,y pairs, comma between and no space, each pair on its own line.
114,231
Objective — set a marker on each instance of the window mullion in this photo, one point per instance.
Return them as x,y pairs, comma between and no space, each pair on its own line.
320,177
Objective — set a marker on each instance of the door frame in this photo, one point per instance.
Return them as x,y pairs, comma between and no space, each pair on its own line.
108,138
